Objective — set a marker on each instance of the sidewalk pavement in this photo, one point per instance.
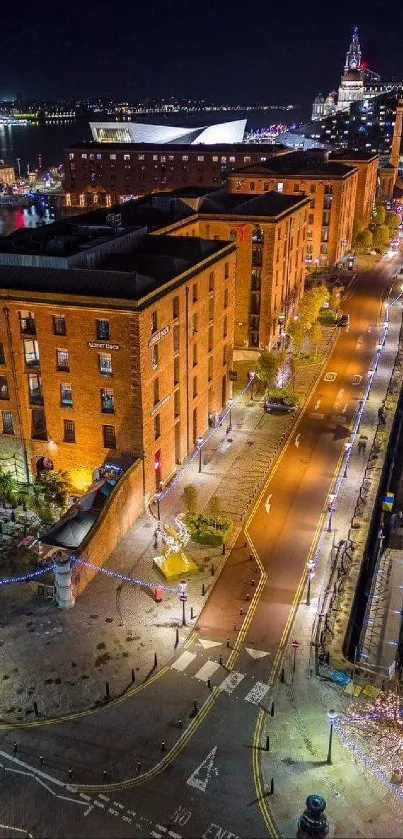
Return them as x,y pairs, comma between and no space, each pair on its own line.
62,660
358,804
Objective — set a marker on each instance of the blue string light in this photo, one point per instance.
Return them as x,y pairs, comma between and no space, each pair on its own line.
24,578
115,574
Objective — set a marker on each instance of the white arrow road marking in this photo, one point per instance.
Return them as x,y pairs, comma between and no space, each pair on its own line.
344,408
317,405
296,441
201,776
206,644
256,653
268,503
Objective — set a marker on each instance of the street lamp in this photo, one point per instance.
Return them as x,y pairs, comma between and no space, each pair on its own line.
347,447
310,575
230,402
332,715
158,497
183,597
332,496
200,446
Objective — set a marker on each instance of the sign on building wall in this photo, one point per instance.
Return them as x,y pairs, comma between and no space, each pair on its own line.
158,335
102,345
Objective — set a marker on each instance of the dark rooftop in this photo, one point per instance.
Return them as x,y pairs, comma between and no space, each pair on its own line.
298,164
271,204
220,148
131,276
349,154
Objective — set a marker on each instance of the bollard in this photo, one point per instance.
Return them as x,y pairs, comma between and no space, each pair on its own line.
191,613
177,637
282,679
235,628
104,774
247,596
36,709
209,683
195,708
155,659
251,557
70,771
15,747
272,710
221,660
107,694
252,582
241,612
203,590
212,569
267,743
179,723
272,786
223,549
138,766
163,746
41,760
133,675
227,644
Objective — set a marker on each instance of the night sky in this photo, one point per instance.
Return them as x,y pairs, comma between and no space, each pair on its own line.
223,51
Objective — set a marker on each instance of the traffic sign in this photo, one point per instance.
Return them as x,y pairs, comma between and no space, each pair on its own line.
295,644
183,598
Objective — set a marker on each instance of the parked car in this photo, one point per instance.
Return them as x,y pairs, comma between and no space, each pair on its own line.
344,320
280,405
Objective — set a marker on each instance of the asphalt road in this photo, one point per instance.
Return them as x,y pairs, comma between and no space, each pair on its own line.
208,789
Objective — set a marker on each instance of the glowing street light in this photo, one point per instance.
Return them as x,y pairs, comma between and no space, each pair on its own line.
230,403
332,496
310,576
200,446
332,716
183,598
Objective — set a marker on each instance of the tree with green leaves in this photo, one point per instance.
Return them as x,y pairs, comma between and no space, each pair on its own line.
315,336
53,487
334,299
381,236
297,331
393,221
363,239
268,367
190,498
379,214
311,303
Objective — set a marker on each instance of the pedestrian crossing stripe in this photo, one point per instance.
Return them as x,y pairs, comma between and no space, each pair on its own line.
207,670
231,681
183,661
257,693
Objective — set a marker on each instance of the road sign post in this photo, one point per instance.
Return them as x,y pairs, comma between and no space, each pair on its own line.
294,645
183,598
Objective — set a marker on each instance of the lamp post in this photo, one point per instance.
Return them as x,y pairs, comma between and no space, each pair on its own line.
200,446
251,380
332,497
230,402
158,506
310,575
332,715
183,597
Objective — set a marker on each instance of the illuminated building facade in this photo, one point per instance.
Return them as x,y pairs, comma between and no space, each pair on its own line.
140,132
114,342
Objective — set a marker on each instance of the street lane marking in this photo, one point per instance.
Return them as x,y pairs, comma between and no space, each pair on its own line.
87,812
84,796
330,377
207,670
317,405
257,693
231,681
297,441
16,830
206,644
356,379
268,503
314,415
182,662
202,774
105,798
256,653
126,819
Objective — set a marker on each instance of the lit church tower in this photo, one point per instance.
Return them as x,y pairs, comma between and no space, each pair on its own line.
352,81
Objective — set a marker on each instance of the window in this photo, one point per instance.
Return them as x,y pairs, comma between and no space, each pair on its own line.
225,298
200,158
140,157
84,156
154,321
99,156
211,309
69,429
232,160
157,426
107,401
71,156
31,352
185,157
211,281
210,339
194,293
35,389
296,187
194,387
156,391
312,204
27,322
210,369
280,187
105,363
102,329
215,159
154,356
194,355
62,360
175,307
224,355
126,157
246,160
177,404
109,435
7,418
4,388
195,323
59,325
225,327
252,186
312,188
176,370
226,270
112,157
2,359
175,334
310,218
66,395
265,186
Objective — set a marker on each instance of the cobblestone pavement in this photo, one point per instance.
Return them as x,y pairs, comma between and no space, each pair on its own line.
62,660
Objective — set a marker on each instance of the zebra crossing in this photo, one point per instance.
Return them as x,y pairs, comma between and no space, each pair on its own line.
215,674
